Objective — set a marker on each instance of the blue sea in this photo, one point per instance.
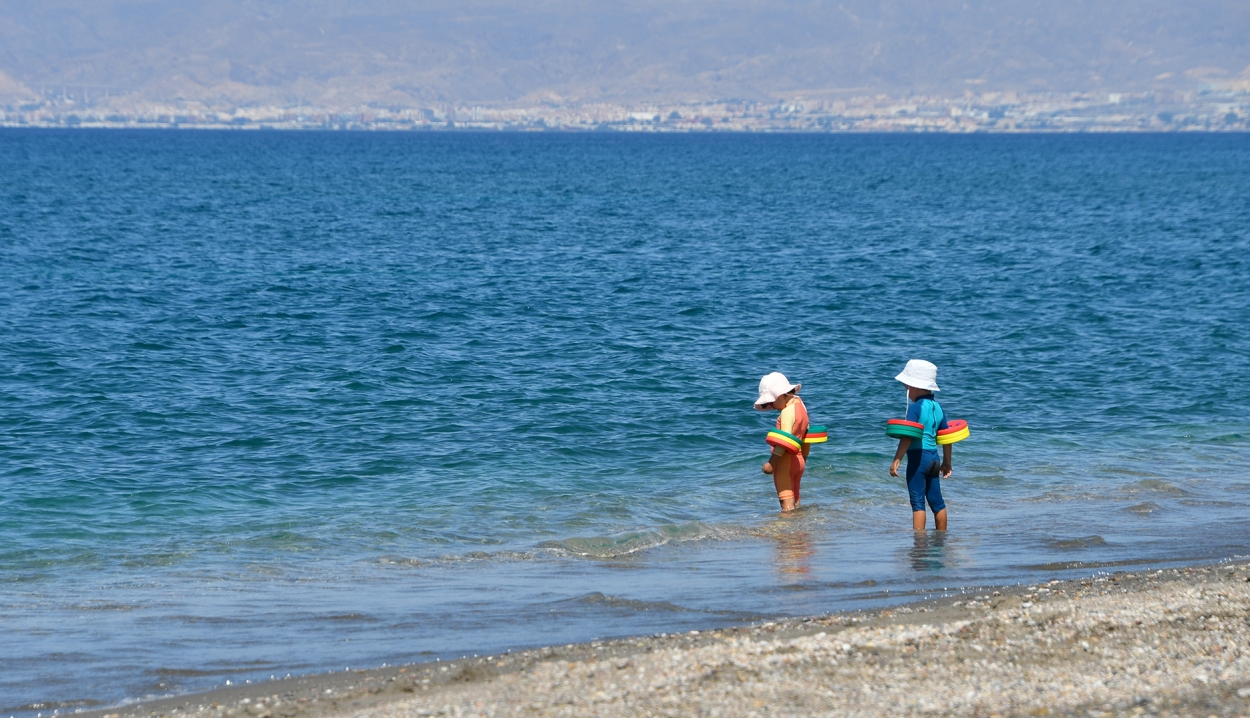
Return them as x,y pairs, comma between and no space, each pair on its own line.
284,403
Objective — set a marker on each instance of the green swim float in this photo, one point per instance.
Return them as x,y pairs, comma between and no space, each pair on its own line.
903,429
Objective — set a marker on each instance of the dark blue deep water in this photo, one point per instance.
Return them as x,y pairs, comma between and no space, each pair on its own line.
284,403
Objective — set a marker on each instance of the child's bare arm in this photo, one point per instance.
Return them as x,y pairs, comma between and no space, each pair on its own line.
773,458
946,461
903,445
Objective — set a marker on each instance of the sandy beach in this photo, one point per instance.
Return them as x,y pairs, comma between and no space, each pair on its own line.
1168,642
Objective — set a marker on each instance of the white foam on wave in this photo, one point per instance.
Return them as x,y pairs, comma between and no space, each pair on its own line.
632,542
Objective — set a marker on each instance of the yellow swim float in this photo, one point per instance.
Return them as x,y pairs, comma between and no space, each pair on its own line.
956,430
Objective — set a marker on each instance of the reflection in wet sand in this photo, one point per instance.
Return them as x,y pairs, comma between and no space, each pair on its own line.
794,553
928,553
794,545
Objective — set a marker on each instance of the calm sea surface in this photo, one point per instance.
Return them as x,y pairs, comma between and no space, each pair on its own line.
284,403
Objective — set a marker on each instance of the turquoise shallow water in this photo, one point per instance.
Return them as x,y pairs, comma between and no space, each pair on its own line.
283,403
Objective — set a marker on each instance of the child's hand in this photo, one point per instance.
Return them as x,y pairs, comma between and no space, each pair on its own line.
894,468
768,467
946,470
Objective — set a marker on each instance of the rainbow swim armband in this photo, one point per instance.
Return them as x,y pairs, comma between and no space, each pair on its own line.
816,435
956,431
903,429
784,440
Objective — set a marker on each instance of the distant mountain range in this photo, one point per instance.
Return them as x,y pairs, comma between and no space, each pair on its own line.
410,54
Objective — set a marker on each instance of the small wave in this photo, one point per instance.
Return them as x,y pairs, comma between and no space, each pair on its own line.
1154,486
1209,502
284,540
1084,565
599,602
54,705
183,673
348,617
1234,438
401,561
470,557
156,559
599,599
798,522
626,544
1144,509
207,620
1075,543
488,556
254,442
106,607
1064,494
613,546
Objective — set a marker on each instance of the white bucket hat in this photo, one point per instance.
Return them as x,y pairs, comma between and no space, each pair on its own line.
772,386
920,374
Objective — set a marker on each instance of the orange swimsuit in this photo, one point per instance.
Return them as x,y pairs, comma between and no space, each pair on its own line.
788,469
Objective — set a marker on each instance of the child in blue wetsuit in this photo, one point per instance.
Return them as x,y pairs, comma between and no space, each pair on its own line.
925,469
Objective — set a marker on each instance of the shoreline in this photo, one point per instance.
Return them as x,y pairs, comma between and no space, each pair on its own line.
1150,642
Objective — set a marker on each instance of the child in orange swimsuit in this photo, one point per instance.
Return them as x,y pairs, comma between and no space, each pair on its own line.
789,457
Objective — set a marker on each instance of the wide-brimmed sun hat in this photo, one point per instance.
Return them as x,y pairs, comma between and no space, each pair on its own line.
772,386
920,374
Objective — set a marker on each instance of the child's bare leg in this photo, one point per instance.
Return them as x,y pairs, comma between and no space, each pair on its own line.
917,520
940,519
784,483
798,480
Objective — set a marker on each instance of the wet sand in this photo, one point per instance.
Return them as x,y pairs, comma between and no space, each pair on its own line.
1171,642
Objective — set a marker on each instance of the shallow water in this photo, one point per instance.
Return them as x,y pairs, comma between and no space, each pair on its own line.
283,403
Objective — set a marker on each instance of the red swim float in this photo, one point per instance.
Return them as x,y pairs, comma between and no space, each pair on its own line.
816,435
784,440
